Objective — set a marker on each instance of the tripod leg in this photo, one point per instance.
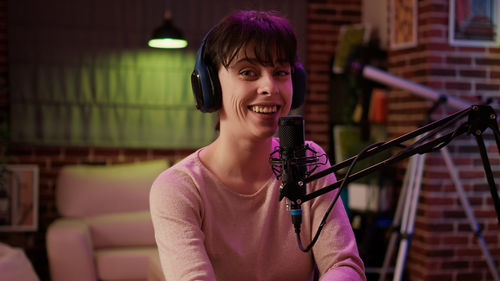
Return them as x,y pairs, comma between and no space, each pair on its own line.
402,213
410,213
396,224
468,212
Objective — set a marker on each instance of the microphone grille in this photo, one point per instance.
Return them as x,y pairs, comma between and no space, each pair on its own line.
291,131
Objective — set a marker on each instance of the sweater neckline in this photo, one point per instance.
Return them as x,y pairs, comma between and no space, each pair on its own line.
221,185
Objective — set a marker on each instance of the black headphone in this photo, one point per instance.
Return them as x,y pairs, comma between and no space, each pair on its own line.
206,86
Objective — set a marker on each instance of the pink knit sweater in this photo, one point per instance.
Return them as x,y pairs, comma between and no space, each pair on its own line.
205,231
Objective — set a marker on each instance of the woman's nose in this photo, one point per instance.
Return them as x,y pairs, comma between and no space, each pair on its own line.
268,84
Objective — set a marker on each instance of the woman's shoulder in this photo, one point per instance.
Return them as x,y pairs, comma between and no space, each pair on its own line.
183,174
177,189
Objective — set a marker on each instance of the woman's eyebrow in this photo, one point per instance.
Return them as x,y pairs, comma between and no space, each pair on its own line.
247,60
255,61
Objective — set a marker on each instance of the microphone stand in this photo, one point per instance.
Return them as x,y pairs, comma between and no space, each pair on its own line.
429,138
480,118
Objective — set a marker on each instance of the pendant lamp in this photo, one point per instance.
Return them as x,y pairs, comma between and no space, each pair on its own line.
167,35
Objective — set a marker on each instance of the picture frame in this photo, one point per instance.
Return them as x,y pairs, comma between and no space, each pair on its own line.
474,23
403,24
19,187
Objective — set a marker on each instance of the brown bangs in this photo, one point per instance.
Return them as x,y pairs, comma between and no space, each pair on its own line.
271,37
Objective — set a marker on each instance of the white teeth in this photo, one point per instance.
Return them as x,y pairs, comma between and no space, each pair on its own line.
264,109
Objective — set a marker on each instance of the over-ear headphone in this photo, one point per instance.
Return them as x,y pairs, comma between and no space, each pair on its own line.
206,86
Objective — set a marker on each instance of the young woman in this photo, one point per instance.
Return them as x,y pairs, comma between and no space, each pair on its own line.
216,214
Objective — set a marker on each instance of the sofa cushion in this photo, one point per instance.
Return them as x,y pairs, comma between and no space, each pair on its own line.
124,263
122,230
14,265
70,250
88,190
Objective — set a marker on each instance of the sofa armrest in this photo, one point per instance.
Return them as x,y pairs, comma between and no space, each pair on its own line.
70,251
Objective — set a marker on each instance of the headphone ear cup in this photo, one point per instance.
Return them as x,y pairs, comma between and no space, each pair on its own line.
214,97
299,85
205,84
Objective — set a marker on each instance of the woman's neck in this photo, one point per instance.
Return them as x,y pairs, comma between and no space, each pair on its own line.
242,165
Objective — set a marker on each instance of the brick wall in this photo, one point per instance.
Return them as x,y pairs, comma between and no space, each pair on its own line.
325,19
443,246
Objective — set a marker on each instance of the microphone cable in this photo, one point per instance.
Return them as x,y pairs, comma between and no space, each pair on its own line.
332,204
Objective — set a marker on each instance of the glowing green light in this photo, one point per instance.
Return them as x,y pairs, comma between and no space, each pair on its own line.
167,43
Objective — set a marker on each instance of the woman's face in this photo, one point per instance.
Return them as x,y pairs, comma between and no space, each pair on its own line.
254,96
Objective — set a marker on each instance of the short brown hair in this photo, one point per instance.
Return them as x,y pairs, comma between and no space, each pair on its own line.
271,34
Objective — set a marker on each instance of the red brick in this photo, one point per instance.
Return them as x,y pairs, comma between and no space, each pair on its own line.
454,214
435,33
471,174
495,74
441,253
439,47
475,201
458,265
487,87
458,60
442,72
472,49
485,213
457,86
437,174
53,151
434,59
469,276
468,252
82,152
490,239
459,239
434,85
433,7
473,73
438,20
487,61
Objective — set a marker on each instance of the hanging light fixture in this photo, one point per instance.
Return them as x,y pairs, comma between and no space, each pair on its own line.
167,35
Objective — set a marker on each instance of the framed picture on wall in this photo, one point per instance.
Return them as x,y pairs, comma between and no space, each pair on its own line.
403,24
474,23
19,197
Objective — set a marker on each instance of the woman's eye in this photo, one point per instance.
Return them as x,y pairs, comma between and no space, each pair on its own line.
248,73
282,73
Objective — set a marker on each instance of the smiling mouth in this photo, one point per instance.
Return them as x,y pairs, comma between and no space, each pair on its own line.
264,109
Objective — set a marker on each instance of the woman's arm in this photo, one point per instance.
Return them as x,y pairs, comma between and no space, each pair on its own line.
176,212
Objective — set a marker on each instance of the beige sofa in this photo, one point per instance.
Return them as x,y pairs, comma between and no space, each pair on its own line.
105,232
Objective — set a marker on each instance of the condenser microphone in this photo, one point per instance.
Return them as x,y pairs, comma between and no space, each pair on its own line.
292,152
293,167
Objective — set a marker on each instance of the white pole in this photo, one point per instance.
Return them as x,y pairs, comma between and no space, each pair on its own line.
415,88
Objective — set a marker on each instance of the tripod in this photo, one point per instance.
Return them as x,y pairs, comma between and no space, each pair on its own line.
411,196
404,218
